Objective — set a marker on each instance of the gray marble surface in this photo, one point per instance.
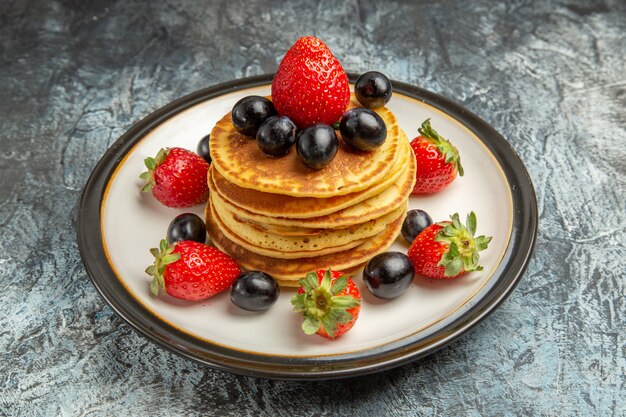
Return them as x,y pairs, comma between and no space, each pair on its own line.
550,76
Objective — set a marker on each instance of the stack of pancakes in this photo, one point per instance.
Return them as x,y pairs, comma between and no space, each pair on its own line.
278,216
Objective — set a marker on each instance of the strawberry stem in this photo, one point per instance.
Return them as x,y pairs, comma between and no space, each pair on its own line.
443,145
152,164
320,304
463,252
163,256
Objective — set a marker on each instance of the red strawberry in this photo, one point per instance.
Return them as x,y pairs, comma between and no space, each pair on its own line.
177,178
190,270
438,161
329,301
448,249
310,85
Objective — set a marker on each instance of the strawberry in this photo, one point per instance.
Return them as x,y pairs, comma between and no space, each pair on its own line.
438,161
310,85
448,249
329,301
190,270
177,178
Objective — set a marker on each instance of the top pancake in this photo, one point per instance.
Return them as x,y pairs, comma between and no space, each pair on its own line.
275,205
240,161
373,207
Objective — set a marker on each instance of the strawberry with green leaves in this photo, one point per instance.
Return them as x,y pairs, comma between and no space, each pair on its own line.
310,85
329,301
438,161
448,249
191,270
177,178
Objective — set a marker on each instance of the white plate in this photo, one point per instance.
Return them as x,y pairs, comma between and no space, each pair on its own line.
271,343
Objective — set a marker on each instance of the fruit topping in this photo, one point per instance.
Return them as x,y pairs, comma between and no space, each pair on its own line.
190,270
186,226
414,222
203,148
254,291
448,249
276,135
310,85
388,275
329,301
250,112
438,161
177,178
363,129
317,145
373,89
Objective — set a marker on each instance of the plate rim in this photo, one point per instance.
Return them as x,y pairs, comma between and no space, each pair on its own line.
509,271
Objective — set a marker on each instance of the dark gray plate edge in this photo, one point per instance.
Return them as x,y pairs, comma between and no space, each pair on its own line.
510,270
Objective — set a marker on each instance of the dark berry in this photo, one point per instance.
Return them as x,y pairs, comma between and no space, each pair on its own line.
250,112
363,129
414,223
203,148
389,274
373,89
254,291
276,135
317,145
186,226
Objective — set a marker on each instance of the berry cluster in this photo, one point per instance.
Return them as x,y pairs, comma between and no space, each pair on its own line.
184,266
310,94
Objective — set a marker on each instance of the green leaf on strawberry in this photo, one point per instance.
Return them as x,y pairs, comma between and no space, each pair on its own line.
449,151
329,302
448,249
176,177
163,256
152,164
463,252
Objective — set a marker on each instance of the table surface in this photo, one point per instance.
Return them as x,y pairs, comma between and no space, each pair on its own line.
549,76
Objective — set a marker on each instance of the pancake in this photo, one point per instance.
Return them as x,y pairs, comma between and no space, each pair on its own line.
388,200
281,230
274,205
295,254
240,161
287,245
294,269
